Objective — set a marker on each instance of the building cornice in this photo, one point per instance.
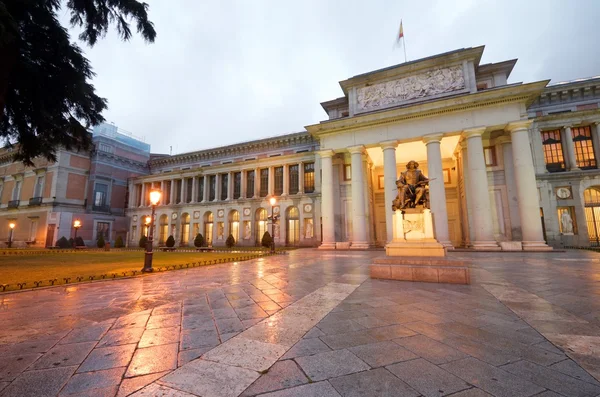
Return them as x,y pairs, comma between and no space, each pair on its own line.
520,93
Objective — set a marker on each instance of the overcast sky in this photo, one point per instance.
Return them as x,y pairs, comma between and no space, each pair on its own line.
222,71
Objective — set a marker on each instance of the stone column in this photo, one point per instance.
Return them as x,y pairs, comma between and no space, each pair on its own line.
569,149
301,178
286,180
217,189
389,185
230,187
205,188
327,206
172,195
194,194
256,183
538,151
596,141
527,192
162,191
511,189
271,185
437,190
483,236
143,198
242,191
359,219
182,197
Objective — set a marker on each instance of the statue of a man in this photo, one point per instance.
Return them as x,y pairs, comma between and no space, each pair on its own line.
411,187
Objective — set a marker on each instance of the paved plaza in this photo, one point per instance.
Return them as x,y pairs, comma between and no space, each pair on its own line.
312,323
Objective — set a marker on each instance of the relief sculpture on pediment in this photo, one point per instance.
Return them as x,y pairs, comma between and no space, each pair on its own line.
430,83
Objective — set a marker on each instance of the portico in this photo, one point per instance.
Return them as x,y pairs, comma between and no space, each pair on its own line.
471,142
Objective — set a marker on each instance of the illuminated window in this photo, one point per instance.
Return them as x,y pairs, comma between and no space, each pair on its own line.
293,178
278,181
347,172
261,224
584,148
185,229
309,177
553,153
234,224
489,154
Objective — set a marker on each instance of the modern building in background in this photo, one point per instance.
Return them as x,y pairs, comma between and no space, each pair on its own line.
512,166
44,200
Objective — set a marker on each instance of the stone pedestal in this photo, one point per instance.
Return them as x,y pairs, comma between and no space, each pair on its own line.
421,269
413,235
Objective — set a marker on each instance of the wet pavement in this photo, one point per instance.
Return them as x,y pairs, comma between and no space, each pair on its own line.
312,324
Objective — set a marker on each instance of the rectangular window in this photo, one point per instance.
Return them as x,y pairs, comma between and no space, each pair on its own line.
293,178
167,193
201,188
103,229
489,154
347,172
39,186
224,186
100,194
213,187
17,190
189,190
278,181
249,184
178,197
553,153
237,185
309,177
584,148
264,182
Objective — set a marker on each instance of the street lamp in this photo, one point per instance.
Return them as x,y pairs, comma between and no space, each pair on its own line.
273,201
147,221
12,226
155,195
76,226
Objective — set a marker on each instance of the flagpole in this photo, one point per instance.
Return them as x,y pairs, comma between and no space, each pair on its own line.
404,46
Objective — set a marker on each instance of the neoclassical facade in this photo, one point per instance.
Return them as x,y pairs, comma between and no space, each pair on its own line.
511,166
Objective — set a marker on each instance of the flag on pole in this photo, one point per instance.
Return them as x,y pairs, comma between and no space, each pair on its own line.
400,40
400,32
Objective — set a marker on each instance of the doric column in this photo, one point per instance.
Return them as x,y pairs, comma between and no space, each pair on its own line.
571,160
437,190
229,187
143,198
359,219
511,188
205,188
596,142
194,191
182,191
286,180
527,192
162,192
271,185
483,236
172,196
301,178
256,183
327,210
389,185
217,188
242,189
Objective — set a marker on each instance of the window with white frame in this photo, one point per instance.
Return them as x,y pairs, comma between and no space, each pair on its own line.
100,194
103,229
17,190
39,186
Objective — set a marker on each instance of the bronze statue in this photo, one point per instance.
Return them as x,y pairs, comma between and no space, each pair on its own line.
411,188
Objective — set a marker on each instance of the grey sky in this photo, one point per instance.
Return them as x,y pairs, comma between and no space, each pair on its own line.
222,72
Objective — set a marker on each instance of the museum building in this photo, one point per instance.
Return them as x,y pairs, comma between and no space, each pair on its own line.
511,165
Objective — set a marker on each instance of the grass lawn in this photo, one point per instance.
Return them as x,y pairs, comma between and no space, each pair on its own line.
45,267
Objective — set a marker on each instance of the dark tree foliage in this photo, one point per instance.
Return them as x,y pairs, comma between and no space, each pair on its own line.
119,242
170,242
267,240
199,241
143,242
230,242
100,242
63,242
46,100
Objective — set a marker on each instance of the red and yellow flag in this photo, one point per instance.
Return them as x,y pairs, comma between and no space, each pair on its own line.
400,32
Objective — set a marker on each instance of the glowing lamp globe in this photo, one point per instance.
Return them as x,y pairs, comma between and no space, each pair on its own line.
12,225
148,219
272,200
77,224
155,196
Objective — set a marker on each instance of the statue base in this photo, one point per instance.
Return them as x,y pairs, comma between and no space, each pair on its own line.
413,235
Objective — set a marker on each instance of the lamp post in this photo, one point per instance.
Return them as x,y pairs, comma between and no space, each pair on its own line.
147,223
154,199
273,201
11,226
76,226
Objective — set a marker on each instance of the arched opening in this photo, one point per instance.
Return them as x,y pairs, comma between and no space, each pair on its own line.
591,198
261,224
292,235
208,228
234,224
185,229
163,228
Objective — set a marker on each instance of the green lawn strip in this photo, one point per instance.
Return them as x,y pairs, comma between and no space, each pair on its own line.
71,265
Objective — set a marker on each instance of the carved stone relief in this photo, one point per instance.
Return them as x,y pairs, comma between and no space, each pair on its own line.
430,83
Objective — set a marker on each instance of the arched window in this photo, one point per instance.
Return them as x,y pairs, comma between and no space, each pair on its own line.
292,236
234,224
591,198
185,229
164,229
208,228
260,224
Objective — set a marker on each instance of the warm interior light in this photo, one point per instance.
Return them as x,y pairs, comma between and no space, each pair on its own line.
272,200
148,219
155,196
12,225
77,224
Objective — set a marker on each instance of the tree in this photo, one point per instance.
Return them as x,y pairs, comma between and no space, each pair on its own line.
230,242
63,242
143,241
100,242
46,99
199,241
119,242
170,242
266,240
